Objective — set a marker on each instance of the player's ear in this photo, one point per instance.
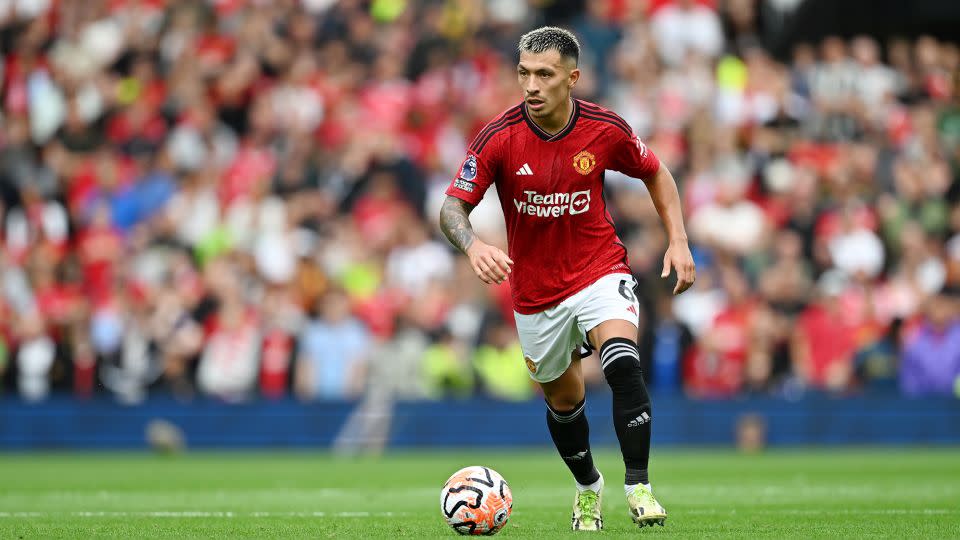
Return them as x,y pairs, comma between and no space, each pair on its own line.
574,77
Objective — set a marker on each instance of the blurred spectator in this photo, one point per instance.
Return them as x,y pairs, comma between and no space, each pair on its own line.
717,366
931,356
416,261
875,81
446,369
334,351
697,310
229,362
730,223
665,340
35,356
833,88
396,366
599,35
501,370
877,363
785,286
854,249
823,340
683,27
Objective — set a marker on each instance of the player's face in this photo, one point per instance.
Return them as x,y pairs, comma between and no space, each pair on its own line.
546,79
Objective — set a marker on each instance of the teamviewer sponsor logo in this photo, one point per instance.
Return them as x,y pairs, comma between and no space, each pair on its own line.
579,202
553,205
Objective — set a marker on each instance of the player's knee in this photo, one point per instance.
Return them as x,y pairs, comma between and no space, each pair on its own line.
564,404
621,366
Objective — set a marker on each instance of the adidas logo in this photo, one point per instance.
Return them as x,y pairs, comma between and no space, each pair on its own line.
525,170
632,309
576,457
642,419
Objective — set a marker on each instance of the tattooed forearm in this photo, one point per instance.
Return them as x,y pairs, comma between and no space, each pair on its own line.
455,223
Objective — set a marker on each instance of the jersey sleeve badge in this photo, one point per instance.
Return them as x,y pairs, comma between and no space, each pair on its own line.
468,173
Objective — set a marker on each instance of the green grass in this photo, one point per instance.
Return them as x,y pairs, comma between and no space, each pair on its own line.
814,493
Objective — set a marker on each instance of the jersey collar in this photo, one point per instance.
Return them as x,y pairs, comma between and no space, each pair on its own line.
555,136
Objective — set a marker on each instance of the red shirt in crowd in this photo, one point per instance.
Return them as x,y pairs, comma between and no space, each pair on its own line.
720,372
99,247
829,340
560,234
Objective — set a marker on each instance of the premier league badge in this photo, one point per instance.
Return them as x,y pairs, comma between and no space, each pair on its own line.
468,171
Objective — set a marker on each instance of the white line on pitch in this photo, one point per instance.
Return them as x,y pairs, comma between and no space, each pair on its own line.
199,514
814,512
765,491
195,514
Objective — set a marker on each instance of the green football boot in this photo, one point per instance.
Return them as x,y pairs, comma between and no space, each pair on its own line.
644,508
586,510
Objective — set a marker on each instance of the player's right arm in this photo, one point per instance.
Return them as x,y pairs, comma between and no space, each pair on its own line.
477,172
489,262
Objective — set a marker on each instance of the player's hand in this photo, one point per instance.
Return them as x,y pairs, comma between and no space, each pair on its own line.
489,263
679,258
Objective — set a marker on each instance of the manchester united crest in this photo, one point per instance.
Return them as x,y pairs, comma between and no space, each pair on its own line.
584,162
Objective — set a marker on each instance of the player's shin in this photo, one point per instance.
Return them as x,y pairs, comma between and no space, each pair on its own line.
631,406
571,435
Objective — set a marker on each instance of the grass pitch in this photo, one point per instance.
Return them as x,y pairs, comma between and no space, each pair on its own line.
708,493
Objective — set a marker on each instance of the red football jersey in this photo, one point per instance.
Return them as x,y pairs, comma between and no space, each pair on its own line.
560,234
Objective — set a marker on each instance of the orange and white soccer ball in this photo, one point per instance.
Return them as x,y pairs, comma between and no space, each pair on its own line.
476,500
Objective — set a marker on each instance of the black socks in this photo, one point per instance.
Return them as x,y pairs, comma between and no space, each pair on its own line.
631,406
571,435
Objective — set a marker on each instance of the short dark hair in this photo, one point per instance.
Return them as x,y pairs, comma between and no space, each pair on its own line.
550,37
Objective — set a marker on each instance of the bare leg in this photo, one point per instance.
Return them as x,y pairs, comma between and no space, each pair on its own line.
567,390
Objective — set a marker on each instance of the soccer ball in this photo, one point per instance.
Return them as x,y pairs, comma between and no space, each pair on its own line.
476,500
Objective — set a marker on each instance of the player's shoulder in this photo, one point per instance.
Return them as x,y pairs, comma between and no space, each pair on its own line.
603,118
500,124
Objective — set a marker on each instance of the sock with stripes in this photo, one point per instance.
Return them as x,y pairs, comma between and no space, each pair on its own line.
631,406
571,435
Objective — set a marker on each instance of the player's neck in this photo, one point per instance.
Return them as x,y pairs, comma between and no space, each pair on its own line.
557,120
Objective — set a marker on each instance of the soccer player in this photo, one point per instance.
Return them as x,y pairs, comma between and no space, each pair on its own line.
571,284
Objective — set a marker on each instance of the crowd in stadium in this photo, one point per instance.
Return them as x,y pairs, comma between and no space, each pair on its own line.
239,198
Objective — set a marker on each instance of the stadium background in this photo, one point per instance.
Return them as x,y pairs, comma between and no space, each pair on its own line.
218,233
219,220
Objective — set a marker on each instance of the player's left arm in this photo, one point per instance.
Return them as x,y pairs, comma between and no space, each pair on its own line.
666,197
633,158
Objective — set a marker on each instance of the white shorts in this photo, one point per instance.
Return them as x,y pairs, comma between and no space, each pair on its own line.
548,338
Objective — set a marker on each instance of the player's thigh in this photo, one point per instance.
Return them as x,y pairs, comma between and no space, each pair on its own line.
567,390
611,310
547,340
613,328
